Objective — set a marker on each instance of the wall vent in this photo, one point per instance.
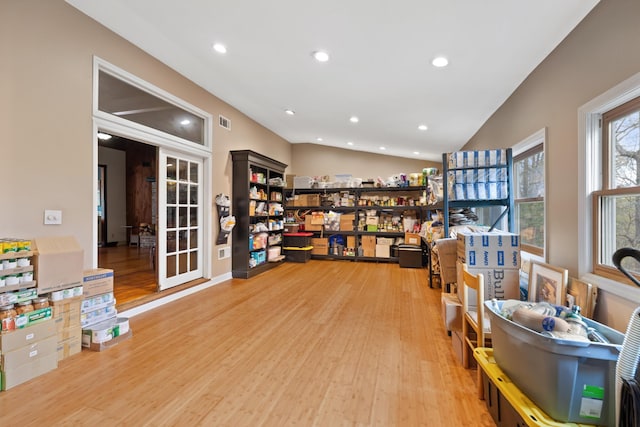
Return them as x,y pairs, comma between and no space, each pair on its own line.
224,122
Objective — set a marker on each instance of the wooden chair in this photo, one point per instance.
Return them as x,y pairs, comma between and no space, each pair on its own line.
476,329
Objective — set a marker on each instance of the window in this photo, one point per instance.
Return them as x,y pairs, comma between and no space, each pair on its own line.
616,206
528,186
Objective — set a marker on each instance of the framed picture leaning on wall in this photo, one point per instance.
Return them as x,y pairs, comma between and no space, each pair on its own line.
547,283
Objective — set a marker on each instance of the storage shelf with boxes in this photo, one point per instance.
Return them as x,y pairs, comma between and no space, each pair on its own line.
47,314
359,223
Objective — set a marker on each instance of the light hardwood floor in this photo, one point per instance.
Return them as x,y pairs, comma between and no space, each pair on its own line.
326,343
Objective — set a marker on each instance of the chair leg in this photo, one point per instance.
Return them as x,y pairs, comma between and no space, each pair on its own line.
465,347
480,385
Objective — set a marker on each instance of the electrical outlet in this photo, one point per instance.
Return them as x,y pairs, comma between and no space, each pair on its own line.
52,217
224,252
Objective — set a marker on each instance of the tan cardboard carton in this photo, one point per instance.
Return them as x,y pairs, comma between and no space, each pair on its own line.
58,263
320,246
27,371
97,281
13,340
29,353
412,239
383,251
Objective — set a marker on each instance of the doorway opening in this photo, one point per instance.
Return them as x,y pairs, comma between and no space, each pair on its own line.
127,215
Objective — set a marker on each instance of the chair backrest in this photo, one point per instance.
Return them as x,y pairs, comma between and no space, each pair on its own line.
475,282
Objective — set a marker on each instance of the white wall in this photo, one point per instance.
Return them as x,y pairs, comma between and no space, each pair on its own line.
116,194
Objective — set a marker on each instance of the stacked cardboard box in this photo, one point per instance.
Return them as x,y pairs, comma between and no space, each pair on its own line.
66,317
496,255
98,303
346,222
27,353
101,328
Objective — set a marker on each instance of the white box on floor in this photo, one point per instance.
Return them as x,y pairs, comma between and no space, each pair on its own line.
451,311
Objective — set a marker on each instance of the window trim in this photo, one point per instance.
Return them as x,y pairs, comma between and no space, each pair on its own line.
590,180
521,149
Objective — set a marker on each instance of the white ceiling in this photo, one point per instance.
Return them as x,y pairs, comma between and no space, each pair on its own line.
380,68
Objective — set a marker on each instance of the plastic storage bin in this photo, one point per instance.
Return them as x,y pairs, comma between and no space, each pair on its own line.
298,240
298,254
410,256
572,381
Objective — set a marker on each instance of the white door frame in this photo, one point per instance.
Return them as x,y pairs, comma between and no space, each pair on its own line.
165,282
118,126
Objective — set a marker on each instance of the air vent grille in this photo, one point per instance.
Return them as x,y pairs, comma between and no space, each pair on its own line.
224,122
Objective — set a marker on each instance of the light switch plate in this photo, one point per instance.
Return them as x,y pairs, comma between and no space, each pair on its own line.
52,217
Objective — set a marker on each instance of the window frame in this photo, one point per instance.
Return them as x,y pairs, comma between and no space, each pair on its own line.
523,149
608,189
590,176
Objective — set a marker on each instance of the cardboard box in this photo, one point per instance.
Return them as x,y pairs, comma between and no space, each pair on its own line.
29,353
69,347
346,222
489,249
351,241
309,226
113,342
290,227
499,283
289,180
21,337
105,331
320,246
67,333
451,311
58,263
369,243
412,239
97,281
383,251
28,371
96,302
67,311
385,240
369,252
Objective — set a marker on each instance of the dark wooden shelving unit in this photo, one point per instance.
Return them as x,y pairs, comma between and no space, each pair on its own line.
251,169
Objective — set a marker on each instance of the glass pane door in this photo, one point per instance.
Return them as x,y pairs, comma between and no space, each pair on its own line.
180,219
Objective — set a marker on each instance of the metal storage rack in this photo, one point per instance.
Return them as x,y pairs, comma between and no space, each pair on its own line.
506,202
358,193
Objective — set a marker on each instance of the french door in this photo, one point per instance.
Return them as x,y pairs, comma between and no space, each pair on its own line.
180,218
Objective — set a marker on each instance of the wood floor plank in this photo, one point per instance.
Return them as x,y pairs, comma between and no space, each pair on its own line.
325,343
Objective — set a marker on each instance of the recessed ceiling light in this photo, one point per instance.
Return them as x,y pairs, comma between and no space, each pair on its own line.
440,61
383,148
220,48
289,112
104,136
321,56
354,119
423,127
349,143
185,122
319,139
416,152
